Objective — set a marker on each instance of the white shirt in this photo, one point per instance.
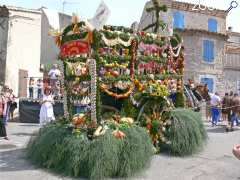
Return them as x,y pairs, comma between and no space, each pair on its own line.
48,98
215,100
54,73
40,85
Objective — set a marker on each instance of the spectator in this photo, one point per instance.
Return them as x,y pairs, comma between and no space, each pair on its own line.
46,112
12,104
235,104
54,75
3,132
39,88
226,111
215,106
6,94
31,87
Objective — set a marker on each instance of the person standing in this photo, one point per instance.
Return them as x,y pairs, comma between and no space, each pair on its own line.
3,131
13,104
215,110
31,87
226,107
54,75
235,107
39,88
6,94
46,111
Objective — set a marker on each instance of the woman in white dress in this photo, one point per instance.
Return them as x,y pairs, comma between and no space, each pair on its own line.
46,112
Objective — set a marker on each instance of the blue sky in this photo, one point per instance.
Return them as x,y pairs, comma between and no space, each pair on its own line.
123,12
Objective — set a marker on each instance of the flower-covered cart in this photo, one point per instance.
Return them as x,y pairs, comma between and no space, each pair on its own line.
123,100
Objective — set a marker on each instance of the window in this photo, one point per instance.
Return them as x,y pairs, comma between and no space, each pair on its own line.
212,25
178,20
209,82
208,51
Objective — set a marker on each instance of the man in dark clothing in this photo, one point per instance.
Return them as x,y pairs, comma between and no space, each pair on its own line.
235,108
226,111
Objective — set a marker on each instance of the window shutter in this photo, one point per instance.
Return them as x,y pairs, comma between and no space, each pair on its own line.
212,25
208,51
205,50
211,51
182,20
178,20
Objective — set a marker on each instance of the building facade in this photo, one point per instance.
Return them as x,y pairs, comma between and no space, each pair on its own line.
4,17
232,62
25,45
205,39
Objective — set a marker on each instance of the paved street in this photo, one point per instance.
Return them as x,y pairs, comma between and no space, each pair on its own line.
216,162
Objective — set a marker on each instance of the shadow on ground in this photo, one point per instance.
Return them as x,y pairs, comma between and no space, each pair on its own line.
23,134
219,129
29,125
14,160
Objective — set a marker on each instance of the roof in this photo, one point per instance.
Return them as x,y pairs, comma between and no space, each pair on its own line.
185,6
231,33
14,8
203,32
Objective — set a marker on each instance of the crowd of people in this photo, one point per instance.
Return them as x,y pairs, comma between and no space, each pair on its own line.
53,81
225,109
7,108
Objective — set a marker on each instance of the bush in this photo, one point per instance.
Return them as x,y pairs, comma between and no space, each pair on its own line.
187,133
56,148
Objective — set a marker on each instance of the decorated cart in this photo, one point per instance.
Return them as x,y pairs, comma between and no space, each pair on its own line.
123,102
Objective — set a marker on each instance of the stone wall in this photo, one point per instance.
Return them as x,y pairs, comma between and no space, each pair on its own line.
3,41
24,46
193,20
231,80
196,67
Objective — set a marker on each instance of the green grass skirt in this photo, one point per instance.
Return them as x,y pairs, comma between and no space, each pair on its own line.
187,133
57,149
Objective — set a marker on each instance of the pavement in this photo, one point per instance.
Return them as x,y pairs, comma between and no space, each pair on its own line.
216,162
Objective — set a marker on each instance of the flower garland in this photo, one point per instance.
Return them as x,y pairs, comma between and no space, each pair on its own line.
65,106
93,73
105,89
134,45
116,41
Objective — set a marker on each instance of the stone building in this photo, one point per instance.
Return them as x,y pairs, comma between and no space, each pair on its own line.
232,62
4,14
24,45
205,36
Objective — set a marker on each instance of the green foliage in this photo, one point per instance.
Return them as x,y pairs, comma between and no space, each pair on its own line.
73,37
180,101
70,27
128,110
187,133
56,148
118,28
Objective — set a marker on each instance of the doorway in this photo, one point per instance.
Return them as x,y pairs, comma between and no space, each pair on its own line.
23,83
